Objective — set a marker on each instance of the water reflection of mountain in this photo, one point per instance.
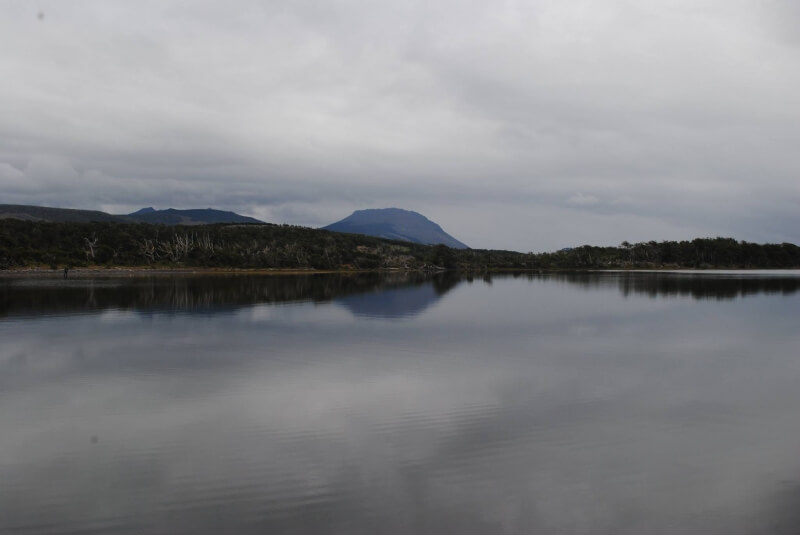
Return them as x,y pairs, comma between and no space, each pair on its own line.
397,301
698,285
214,294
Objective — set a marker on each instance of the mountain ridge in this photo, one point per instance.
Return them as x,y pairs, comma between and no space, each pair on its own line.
193,216
170,216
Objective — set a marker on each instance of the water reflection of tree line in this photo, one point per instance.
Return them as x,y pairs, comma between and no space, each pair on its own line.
218,293
695,285
197,294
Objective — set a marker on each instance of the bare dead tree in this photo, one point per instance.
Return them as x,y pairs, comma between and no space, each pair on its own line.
205,242
167,248
183,244
147,248
89,247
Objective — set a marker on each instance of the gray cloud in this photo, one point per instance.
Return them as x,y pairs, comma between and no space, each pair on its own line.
520,125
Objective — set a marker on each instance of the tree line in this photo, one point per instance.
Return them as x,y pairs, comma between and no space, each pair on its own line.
268,246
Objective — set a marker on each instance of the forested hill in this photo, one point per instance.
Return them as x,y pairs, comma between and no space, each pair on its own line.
46,213
265,246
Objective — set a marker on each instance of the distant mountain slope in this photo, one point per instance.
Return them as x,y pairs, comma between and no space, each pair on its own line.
58,215
141,211
145,215
205,216
396,224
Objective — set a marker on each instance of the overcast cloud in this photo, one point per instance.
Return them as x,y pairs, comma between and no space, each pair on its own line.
520,125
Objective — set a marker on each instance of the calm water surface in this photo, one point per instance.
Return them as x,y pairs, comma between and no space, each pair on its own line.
605,403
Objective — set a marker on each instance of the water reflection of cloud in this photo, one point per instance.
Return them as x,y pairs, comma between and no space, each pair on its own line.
418,435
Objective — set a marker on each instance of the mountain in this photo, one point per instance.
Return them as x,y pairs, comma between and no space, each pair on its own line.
396,224
145,215
172,216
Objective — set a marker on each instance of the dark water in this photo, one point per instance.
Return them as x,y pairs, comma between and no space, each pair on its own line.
606,403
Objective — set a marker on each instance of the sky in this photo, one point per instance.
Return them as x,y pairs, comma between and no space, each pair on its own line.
523,125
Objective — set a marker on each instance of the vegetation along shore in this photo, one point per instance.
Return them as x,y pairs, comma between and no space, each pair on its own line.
48,245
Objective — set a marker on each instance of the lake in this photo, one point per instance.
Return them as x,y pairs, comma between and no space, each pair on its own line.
582,403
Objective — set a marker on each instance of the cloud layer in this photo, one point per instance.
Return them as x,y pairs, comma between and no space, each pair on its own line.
522,125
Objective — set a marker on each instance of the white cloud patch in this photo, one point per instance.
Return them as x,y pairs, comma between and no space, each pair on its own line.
12,180
583,200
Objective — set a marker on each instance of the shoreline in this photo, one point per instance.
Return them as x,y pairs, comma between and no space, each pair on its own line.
145,271
140,271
